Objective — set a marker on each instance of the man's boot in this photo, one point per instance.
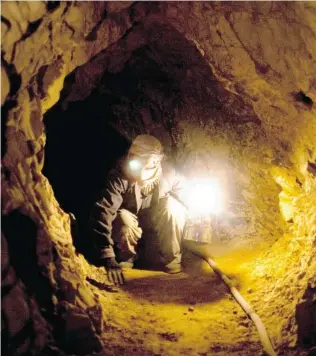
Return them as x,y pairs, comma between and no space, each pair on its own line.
173,268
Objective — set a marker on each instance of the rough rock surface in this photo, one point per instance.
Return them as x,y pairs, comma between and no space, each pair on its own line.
239,81
24,327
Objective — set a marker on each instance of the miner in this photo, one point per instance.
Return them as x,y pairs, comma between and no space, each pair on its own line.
139,217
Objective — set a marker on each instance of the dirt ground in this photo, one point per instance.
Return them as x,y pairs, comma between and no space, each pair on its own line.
190,313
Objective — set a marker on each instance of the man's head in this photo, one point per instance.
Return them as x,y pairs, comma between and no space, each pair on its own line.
144,157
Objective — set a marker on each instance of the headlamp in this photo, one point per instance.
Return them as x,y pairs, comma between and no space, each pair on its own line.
135,165
148,161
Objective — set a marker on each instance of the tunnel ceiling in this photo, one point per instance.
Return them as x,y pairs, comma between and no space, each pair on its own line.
143,80
156,67
229,87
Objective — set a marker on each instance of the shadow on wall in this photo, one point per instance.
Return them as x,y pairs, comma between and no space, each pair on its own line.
21,235
23,330
306,319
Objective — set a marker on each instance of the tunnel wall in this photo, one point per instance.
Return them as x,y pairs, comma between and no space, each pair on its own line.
265,53
24,328
41,43
245,48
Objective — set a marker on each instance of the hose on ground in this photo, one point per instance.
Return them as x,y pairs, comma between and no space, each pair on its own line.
265,340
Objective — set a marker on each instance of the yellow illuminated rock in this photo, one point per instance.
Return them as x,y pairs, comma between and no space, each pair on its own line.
54,81
229,88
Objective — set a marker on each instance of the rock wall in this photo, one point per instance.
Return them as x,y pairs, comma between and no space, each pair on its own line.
24,329
262,52
295,277
41,43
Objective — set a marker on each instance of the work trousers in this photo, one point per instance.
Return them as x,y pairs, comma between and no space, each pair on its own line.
153,237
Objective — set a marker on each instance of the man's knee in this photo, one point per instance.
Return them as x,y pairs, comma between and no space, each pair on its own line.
127,218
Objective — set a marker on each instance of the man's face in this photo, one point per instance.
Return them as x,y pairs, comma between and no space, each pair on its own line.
143,168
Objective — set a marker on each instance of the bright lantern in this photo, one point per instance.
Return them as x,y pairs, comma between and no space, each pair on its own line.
204,197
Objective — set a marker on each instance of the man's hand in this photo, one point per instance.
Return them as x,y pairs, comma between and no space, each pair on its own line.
114,271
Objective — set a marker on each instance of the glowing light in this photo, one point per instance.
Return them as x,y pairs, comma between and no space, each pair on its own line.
134,164
204,197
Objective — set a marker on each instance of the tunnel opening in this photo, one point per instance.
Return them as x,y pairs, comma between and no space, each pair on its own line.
81,148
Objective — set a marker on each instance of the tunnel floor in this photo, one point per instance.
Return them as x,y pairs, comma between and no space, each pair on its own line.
191,313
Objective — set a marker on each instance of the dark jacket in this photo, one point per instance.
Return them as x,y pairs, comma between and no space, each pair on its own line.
120,192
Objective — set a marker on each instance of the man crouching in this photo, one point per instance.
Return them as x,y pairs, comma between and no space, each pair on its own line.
138,217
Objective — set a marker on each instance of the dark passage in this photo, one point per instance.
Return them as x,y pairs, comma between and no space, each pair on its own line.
81,147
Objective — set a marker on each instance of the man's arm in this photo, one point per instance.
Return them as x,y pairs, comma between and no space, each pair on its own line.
104,211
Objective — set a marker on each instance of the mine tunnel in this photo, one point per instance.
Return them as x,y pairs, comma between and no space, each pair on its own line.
228,89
